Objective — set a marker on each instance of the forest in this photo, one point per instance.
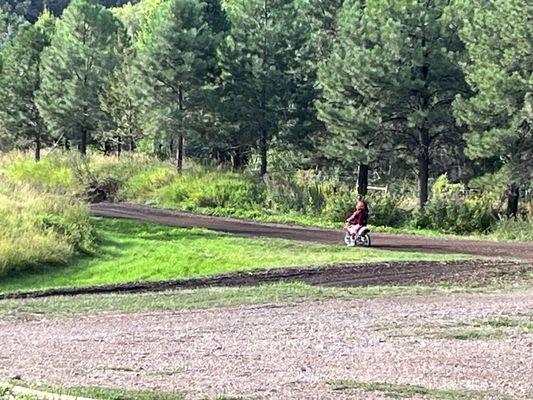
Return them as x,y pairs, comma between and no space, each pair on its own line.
395,94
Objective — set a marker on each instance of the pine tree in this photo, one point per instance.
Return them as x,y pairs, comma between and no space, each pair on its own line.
499,70
176,56
320,20
20,81
3,25
9,24
312,33
255,61
119,101
135,15
317,22
392,79
75,69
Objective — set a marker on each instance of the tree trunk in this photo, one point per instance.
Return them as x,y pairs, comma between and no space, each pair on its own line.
512,201
83,142
38,147
67,144
119,145
173,148
237,159
179,154
362,180
423,168
263,151
132,144
108,148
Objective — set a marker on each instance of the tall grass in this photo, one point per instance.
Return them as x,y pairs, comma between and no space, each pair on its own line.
50,174
39,227
509,229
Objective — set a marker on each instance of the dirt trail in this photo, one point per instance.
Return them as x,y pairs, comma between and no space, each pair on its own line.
404,273
329,236
285,352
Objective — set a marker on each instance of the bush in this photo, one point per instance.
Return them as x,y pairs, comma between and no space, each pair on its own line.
210,190
145,184
296,193
450,211
39,227
385,210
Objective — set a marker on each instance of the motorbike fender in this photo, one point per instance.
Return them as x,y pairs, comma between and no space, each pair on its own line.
364,231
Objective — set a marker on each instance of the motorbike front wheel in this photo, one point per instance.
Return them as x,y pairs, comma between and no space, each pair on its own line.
347,239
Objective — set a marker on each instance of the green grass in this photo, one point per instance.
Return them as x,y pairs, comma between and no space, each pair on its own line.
286,293
492,329
98,393
506,322
132,251
477,333
400,391
487,329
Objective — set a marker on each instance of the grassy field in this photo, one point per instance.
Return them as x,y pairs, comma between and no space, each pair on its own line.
132,251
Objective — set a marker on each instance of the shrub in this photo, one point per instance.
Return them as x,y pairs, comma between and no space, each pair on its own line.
300,194
385,210
340,205
450,211
200,189
145,184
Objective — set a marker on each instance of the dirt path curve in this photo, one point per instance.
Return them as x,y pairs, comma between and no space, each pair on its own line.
287,352
383,241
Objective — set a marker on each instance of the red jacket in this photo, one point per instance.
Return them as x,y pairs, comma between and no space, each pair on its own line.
359,217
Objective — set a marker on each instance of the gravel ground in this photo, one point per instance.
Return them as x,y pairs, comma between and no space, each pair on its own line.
278,351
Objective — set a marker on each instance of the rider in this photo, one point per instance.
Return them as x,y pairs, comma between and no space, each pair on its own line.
358,219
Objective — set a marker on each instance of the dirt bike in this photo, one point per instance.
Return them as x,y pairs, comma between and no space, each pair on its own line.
362,238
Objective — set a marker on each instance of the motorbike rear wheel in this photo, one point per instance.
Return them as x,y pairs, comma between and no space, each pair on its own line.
366,241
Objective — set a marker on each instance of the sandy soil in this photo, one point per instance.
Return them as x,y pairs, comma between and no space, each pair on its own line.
278,351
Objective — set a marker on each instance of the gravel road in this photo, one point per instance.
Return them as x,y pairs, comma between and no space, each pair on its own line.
280,351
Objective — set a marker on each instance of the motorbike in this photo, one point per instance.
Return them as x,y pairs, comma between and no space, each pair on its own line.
362,238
